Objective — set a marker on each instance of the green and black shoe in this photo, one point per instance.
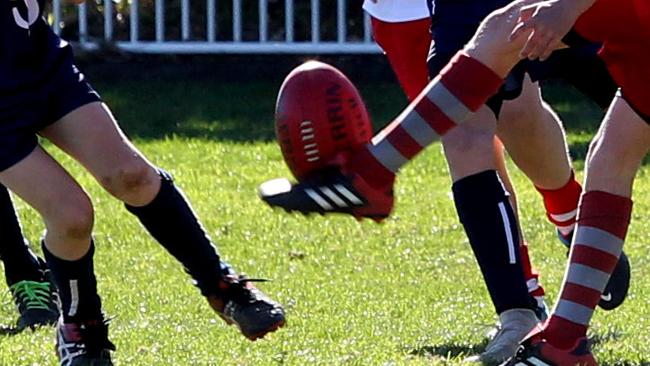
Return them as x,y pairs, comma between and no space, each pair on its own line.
37,303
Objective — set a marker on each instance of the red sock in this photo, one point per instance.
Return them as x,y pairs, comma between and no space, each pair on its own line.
562,205
530,274
598,242
462,87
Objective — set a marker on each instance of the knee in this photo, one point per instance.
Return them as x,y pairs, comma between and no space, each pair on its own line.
608,158
130,180
76,220
464,145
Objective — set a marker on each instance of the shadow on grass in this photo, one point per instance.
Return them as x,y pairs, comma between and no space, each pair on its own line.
462,350
215,100
448,350
170,102
8,331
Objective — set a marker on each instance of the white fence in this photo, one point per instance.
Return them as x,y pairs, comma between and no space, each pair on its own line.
282,40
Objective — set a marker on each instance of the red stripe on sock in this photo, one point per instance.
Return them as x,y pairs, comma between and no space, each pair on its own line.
563,333
529,271
580,295
564,199
371,170
594,258
433,115
606,211
470,81
404,143
538,292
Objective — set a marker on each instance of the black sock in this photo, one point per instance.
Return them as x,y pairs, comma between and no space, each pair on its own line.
485,212
20,263
77,286
172,222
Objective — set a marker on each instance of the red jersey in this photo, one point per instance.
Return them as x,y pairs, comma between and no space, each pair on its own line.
623,26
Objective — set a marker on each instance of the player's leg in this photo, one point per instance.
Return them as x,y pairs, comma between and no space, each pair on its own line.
27,275
530,274
474,158
462,87
406,45
68,216
535,139
604,216
90,134
393,38
491,226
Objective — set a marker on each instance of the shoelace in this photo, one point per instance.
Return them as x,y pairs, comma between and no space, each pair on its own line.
32,294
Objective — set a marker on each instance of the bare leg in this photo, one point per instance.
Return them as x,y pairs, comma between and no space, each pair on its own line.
68,215
91,135
533,136
605,210
62,203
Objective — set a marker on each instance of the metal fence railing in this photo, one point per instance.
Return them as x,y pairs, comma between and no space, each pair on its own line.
217,26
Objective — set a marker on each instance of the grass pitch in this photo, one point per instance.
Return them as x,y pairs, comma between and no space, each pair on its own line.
406,292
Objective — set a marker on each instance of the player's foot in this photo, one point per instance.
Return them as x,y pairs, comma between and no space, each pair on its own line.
541,310
536,351
84,344
330,191
242,304
619,282
37,303
515,325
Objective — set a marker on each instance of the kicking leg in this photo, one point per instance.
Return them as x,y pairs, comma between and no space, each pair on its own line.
367,176
91,135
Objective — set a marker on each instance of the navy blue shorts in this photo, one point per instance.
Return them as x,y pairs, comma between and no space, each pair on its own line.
25,113
454,23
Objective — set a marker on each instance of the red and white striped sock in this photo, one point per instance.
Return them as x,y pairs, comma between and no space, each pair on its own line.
597,244
562,205
462,87
530,274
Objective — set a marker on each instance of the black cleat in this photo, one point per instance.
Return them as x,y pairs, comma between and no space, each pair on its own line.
37,303
619,282
240,303
329,191
84,344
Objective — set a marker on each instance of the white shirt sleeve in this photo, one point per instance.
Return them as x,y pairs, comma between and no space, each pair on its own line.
394,11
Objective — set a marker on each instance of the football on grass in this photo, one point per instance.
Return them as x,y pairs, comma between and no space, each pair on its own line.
319,113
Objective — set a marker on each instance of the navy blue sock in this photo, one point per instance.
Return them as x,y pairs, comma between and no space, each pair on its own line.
77,286
172,222
485,212
20,263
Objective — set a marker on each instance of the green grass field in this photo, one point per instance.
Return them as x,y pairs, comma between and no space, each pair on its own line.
406,292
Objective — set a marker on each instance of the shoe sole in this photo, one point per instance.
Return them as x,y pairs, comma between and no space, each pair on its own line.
262,334
259,335
376,218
